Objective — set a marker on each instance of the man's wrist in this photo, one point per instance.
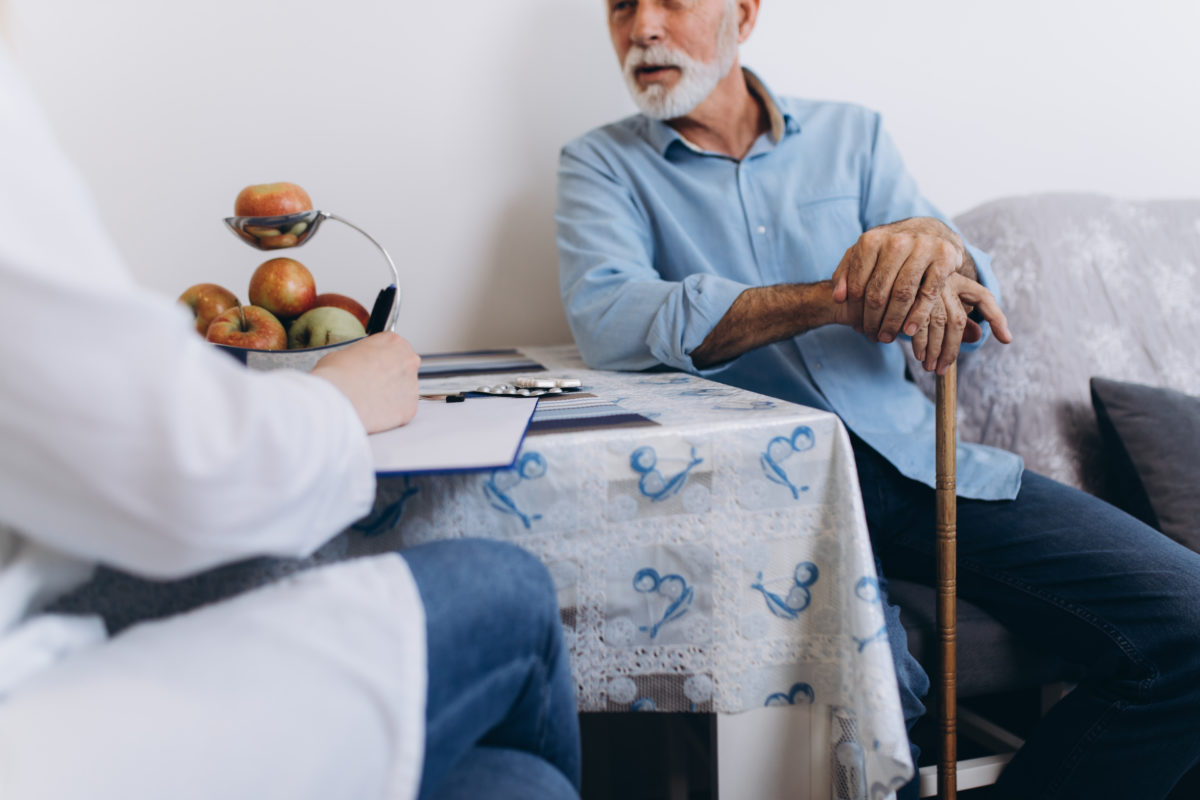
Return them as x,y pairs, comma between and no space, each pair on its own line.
826,311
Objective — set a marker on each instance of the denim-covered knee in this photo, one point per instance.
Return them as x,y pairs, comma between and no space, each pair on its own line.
520,582
483,570
523,590
523,570
1156,620
1174,654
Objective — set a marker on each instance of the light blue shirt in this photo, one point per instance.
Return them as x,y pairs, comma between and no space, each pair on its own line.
656,239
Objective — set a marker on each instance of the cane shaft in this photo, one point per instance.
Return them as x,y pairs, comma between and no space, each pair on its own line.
947,583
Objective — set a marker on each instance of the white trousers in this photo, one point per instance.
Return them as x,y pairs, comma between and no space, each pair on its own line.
313,687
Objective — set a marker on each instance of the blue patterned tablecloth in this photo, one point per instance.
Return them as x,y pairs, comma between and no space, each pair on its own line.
717,561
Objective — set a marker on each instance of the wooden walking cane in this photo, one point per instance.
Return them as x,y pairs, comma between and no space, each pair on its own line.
947,582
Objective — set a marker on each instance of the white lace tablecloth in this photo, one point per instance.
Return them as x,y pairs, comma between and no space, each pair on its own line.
716,562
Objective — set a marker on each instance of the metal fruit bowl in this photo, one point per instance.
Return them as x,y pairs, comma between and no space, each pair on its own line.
303,360
277,233
293,230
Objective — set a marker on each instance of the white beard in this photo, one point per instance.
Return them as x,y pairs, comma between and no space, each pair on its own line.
697,79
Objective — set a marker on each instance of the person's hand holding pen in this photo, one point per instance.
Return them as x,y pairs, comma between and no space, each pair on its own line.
379,376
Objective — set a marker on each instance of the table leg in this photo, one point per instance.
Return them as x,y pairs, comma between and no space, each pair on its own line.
774,753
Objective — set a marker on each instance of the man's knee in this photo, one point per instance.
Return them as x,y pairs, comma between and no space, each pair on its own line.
1175,655
523,579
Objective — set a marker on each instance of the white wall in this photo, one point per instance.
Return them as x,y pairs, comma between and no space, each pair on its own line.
436,125
1009,96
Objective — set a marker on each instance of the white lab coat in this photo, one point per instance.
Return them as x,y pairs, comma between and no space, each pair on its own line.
127,440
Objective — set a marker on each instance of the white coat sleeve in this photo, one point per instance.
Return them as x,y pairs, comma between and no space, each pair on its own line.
124,438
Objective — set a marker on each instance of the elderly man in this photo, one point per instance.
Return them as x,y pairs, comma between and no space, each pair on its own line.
779,245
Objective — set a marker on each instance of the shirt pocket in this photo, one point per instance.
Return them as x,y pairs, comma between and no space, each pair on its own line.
819,235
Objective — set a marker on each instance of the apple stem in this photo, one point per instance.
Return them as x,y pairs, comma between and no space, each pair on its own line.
242,314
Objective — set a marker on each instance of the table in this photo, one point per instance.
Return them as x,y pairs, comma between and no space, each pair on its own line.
710,553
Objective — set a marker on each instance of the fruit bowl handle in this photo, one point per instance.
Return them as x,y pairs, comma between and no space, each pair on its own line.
395,311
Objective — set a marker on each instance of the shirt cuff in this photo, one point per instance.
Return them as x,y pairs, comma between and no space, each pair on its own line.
682,326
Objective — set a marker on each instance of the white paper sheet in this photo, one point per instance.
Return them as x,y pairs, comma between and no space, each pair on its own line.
479,433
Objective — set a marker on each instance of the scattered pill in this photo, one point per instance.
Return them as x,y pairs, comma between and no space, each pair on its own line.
524,387
533,383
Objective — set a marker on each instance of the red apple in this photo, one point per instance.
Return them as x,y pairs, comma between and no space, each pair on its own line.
342,301
248,326
207,301
284,287
271,200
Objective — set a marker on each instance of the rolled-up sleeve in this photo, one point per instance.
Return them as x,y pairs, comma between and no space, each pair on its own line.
623,314
890,194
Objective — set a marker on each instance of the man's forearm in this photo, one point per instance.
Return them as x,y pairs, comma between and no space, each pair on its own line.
764,315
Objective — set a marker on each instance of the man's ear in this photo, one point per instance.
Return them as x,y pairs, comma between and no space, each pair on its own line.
747,17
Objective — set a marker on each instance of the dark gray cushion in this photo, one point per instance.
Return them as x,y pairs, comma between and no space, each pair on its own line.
1152,439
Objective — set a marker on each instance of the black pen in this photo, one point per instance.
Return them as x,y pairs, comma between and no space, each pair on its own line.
381,310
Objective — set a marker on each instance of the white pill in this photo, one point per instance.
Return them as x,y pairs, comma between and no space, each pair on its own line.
534,383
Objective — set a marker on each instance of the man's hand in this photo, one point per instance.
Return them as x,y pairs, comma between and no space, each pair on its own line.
898,271
936,343
379,376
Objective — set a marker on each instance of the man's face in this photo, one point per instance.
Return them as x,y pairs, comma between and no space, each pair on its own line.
673,52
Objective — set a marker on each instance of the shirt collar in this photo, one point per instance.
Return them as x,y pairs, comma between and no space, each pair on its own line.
782,123
662,135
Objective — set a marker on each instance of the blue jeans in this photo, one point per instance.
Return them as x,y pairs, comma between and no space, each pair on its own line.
501,716
1079,578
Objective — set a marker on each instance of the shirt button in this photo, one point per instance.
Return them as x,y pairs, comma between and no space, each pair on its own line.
816,365
762,228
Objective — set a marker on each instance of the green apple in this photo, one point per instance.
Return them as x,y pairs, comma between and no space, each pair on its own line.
342,301
325,325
